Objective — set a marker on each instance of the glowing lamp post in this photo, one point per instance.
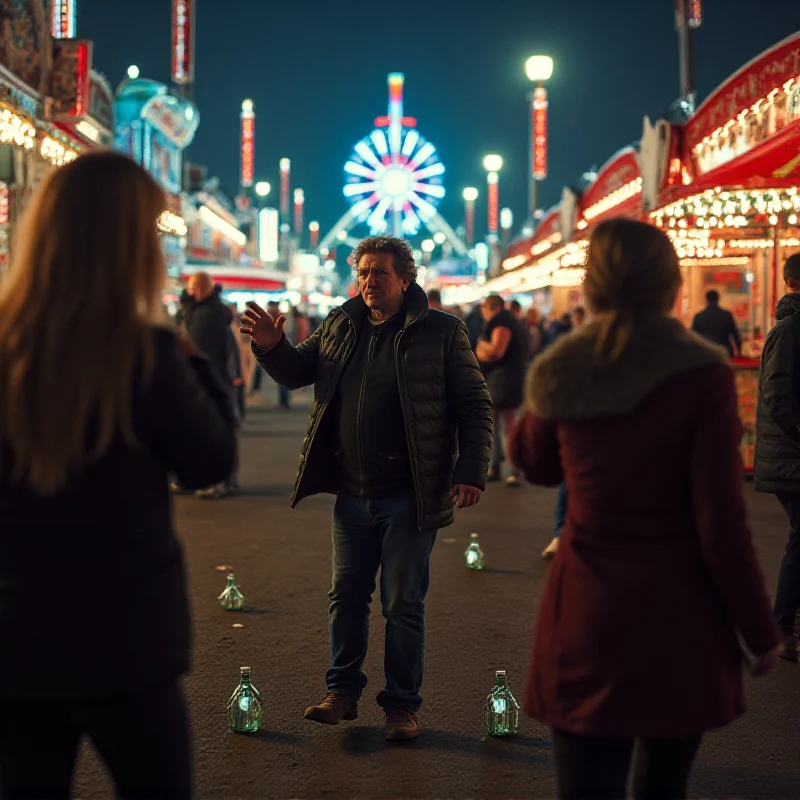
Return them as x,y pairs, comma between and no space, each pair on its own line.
538,69
313,230
299,200
470,195
286,168
248,142
428,247
506,223
133,72
493,164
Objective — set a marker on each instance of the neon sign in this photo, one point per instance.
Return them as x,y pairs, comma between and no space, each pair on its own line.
248,144
63,23
183,17
539,111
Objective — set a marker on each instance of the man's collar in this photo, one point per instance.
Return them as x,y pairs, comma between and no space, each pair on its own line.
416,303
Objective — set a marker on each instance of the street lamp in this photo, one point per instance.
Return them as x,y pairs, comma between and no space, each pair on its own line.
506,223
470,195
439,238
263,188
313,229
133,72
493,164
428,246
538,69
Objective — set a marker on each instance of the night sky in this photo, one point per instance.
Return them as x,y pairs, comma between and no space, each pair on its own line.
317,73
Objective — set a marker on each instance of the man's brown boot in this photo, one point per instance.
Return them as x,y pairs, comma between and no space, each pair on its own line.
333,709
401,725
791,647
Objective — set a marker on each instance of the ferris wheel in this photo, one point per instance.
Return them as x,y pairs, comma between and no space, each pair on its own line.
393,179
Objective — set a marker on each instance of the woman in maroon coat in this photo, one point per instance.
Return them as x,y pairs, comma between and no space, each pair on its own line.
636,637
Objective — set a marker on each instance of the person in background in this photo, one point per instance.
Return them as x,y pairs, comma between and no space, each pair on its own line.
435,299
777,456
516,309
637,634
536,332
475,325
208,324
241,363
718,325
301,327
502,354
86,444
401,433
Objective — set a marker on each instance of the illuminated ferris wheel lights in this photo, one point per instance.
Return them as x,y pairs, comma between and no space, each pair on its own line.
428,172
396,182
359,169
425,152
430,189
355,189
362,149
379,140
410,143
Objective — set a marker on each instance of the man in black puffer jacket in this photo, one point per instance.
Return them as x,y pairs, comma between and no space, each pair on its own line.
400,430
777,459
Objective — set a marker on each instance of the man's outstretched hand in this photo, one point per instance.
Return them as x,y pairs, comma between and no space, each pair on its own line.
264,330
464,496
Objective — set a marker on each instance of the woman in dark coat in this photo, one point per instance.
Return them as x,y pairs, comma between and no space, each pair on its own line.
98,404
636,636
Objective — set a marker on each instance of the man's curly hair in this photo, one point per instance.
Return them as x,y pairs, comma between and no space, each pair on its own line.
403,256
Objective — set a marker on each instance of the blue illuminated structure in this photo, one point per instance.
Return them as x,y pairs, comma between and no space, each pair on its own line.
394,179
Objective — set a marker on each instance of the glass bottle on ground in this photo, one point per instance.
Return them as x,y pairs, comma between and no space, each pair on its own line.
473,555
244,707
502,710
231,599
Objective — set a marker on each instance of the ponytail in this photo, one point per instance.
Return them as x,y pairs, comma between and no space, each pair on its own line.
616,331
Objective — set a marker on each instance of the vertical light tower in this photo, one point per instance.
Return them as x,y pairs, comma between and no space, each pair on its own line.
396,81
688,18
313,232
62,19
183,25
470,195
299,200
538,69
286,168
493,164
248,146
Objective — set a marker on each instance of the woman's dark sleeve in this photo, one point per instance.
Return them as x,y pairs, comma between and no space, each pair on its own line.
533,448
190,418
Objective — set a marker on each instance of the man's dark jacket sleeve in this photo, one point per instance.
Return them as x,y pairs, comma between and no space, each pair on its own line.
470,407
292,367
778,384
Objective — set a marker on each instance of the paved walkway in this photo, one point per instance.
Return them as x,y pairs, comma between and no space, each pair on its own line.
476,623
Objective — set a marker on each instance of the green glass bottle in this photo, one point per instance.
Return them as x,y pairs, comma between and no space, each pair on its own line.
473,555
231,599
502,710
244,707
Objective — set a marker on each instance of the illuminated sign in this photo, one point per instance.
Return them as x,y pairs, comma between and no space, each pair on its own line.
4,204
183,18
695,19
16,130
539,111
175,118
248,144
63,26
268,235
494,201
70,78
299,200
286,166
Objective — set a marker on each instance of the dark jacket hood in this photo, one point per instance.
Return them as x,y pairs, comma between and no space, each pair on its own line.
788,304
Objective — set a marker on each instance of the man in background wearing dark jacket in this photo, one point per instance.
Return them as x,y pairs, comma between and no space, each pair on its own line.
718,325
400,431
502,353
208,324
777,457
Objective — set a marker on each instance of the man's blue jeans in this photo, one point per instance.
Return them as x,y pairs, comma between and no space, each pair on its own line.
787,595
368,534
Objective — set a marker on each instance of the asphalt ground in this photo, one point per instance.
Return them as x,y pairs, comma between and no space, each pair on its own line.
476,623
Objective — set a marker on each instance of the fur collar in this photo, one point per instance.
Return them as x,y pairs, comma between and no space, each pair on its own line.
571,382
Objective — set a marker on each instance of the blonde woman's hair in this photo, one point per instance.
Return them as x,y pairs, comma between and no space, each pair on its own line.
632,273
76,316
